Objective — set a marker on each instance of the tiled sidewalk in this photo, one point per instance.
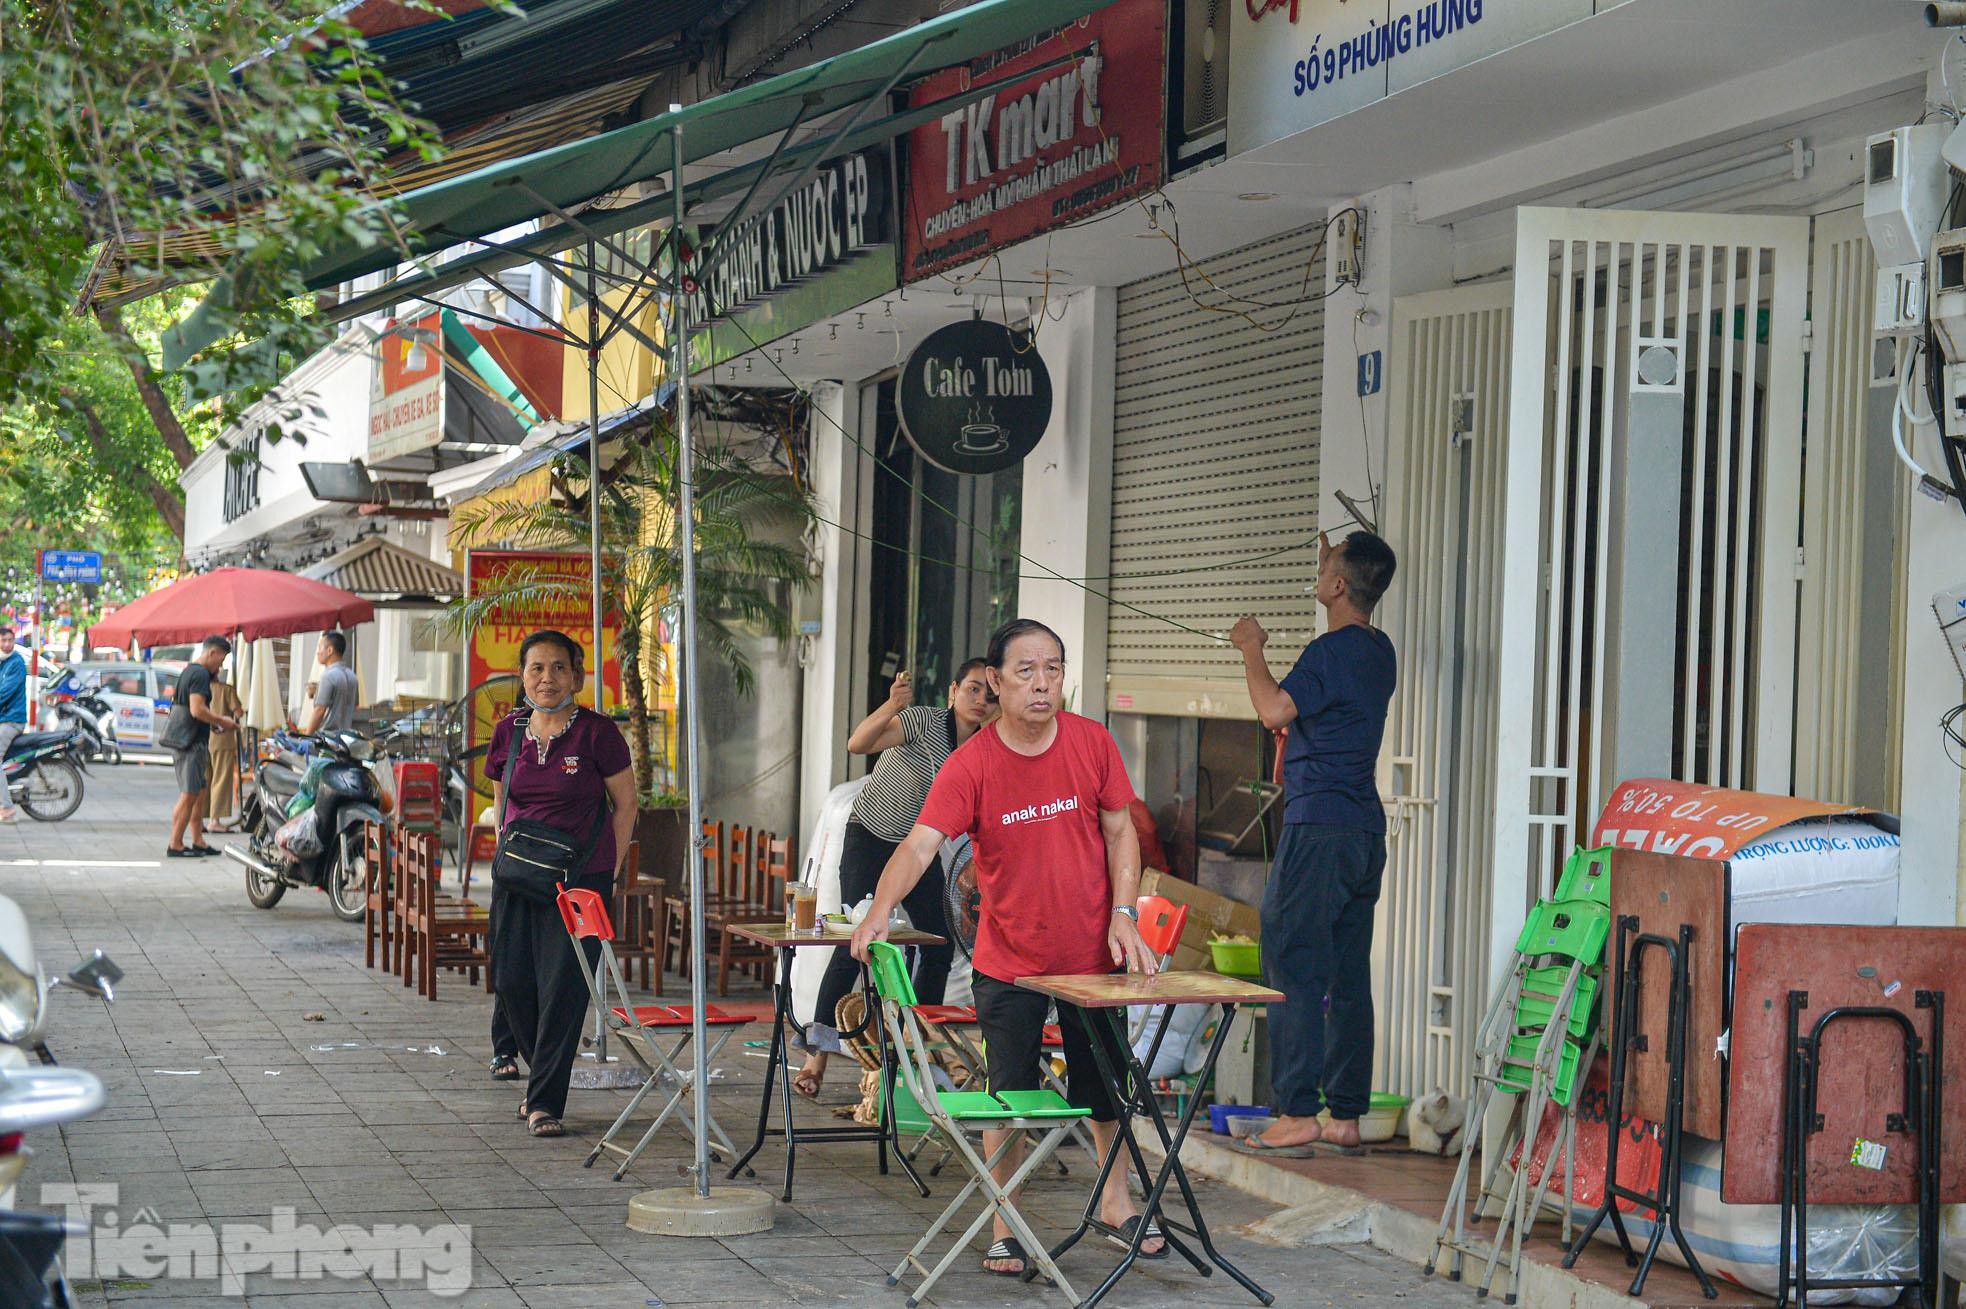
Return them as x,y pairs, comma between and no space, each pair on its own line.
227,1103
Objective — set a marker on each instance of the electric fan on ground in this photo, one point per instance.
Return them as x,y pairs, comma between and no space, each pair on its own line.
960,899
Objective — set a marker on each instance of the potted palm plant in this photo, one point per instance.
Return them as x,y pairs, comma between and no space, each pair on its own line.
746,575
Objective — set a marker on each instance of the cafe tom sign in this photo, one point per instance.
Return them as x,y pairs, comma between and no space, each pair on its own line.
975,397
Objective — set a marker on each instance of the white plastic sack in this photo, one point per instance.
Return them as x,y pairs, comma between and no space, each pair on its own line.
300,836
822,847
1171,1060
1741,1243
1819,870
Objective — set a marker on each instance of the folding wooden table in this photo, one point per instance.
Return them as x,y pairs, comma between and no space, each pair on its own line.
1133,1094
787,941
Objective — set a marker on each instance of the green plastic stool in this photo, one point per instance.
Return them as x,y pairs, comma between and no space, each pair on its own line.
1522,1056
1537,1004
1586,876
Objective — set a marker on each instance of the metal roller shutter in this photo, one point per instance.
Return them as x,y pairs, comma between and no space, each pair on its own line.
1215,460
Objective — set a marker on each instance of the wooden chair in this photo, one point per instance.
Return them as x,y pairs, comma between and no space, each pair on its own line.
773,861
675,908
638,906
377,941
438,931
745,903
481,842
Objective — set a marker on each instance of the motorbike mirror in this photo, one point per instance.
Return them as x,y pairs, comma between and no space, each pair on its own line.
97,975
31,1098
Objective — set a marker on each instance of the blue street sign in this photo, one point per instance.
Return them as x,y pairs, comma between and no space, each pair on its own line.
1368,373
75,566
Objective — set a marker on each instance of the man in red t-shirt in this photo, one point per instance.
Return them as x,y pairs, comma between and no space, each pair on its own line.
1044,799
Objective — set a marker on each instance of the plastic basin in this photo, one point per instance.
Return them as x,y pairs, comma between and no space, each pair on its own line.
1237,958
1381,1121
1220,1114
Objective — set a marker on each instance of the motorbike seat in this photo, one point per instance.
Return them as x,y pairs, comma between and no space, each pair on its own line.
27,741
280,782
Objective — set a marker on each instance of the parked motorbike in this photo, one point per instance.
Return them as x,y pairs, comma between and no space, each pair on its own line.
319,844
44,774
93,720
35,1095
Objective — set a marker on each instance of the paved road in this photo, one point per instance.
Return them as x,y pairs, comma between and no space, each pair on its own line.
229,1103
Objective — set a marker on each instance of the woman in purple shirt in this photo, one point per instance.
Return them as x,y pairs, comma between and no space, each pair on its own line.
572,767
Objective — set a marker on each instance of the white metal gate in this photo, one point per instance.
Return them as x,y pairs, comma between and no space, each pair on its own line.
1850,673
1705,310
1443,515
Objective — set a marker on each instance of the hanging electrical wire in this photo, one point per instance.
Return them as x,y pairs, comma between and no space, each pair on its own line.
1048,574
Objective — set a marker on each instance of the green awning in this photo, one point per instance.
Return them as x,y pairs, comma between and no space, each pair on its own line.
478,204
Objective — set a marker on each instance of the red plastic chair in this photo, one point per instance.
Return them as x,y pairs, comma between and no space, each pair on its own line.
641,1030
1161,924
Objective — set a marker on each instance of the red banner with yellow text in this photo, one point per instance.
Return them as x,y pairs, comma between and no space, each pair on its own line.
567,607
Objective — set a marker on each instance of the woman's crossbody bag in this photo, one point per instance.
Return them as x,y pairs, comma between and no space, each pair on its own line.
534,858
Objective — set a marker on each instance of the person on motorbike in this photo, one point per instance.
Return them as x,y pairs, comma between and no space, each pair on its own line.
193,722
13,708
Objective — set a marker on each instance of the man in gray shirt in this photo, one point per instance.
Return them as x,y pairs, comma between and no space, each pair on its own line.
335,693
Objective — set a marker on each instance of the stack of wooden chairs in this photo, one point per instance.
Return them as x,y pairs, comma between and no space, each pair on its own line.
414,927
746,872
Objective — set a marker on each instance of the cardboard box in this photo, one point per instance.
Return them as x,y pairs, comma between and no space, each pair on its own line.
1207,912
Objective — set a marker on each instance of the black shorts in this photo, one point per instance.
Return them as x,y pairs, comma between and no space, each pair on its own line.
1012,1023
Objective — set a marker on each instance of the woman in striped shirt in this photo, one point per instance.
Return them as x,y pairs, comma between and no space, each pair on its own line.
912,742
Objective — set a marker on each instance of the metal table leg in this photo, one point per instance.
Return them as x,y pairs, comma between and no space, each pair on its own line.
779,1078
781,1011
1132,1094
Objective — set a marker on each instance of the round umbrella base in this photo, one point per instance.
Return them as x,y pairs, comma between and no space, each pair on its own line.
680,1211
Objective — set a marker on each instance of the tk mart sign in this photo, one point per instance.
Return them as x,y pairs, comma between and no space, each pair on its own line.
1082,132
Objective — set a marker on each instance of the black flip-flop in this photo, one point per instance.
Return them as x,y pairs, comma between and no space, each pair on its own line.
1008,1248
1323,1146
1255,1145
181,854
545,1125
505,1069
204,851
1132,1225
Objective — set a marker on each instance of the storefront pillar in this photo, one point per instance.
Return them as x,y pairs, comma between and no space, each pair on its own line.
1401,257
1932,792
1932,876
1068,494
827,654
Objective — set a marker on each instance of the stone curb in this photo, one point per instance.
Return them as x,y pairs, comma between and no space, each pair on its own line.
1322,1213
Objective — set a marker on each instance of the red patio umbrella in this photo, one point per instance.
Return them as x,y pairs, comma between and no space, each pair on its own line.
248,602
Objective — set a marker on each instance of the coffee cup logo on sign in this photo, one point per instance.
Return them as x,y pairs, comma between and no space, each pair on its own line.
975,397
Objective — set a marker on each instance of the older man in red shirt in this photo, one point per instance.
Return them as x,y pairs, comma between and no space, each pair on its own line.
1044,798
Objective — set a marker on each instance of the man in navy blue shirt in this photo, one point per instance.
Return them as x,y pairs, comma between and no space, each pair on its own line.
1324,882
13,707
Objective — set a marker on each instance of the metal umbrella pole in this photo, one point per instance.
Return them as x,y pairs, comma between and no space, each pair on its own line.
692,720
594,478
695,1210
594,561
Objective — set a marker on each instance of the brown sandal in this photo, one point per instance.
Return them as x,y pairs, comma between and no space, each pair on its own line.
545,1124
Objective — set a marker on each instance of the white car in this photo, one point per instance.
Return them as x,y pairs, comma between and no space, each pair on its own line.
139,693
